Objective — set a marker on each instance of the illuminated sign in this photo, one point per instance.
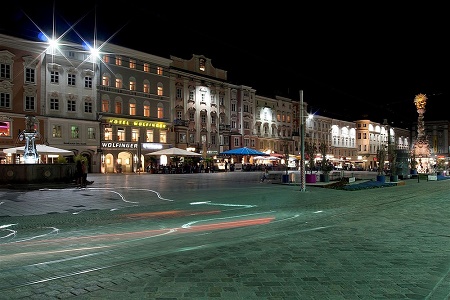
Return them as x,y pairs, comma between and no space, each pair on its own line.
131,145
120,145
136,123
152,146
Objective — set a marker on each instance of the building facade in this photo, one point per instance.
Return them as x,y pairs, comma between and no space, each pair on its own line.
117,107
134,108
200,105
371,136
69,101
21,62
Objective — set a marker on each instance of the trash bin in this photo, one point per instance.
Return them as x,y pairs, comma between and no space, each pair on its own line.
285,178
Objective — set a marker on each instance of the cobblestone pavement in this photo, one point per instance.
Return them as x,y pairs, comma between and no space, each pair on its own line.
382,243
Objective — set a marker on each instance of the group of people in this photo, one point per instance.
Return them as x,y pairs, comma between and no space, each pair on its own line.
82,174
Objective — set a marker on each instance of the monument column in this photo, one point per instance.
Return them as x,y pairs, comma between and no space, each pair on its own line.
421,149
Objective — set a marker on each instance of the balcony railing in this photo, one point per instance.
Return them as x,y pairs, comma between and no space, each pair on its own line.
178,122
223,127
127,92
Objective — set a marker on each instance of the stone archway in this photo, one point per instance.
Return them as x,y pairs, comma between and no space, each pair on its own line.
109,163
125,160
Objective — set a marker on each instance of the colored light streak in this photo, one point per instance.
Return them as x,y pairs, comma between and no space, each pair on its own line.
115,238
169,214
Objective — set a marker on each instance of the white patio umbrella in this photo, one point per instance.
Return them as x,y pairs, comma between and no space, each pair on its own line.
259,157
273,158
174,152
41,150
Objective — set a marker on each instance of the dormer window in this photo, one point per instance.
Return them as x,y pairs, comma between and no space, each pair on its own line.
202,64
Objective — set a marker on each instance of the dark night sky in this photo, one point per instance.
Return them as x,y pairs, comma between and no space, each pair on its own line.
351,61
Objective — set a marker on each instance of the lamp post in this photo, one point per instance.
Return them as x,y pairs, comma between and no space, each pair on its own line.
302,146
138,154
388,143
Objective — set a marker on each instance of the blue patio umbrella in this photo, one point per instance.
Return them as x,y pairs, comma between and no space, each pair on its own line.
243,151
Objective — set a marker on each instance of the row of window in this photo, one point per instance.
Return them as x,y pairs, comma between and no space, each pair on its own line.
179,96
57,132
29,101
108,134
181,139
71,105
120,134
132,85
132,108
6,73
132,64
71,79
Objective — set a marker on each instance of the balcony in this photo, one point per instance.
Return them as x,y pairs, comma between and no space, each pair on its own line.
125,91
178,122
223,127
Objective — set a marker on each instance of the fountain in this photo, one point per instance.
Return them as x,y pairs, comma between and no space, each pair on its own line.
421,149
33,171
30,154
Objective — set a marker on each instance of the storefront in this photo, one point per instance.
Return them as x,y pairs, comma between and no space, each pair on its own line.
126,141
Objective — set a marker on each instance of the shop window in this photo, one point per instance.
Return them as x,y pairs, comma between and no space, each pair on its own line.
56,131
91,133
5,129
149,136
135,134
75,132
163,137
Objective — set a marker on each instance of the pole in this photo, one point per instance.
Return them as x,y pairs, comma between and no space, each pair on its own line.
139,163
388,143
302,146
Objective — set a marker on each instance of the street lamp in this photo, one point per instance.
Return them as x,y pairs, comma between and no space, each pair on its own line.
302,145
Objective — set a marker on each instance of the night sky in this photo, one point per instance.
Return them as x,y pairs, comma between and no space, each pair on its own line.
351,61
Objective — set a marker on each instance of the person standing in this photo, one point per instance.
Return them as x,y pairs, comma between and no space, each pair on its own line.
265,174
79,173
84,174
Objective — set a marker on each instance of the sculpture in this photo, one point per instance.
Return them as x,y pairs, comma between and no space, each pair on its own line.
421,148
30,154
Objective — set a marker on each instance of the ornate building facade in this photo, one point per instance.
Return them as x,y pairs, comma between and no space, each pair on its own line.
21,62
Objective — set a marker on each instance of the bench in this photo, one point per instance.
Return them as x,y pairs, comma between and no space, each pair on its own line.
273,176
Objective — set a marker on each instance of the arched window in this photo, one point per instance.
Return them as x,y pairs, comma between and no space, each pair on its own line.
160,111
160,89
132,84
106,79
146,87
